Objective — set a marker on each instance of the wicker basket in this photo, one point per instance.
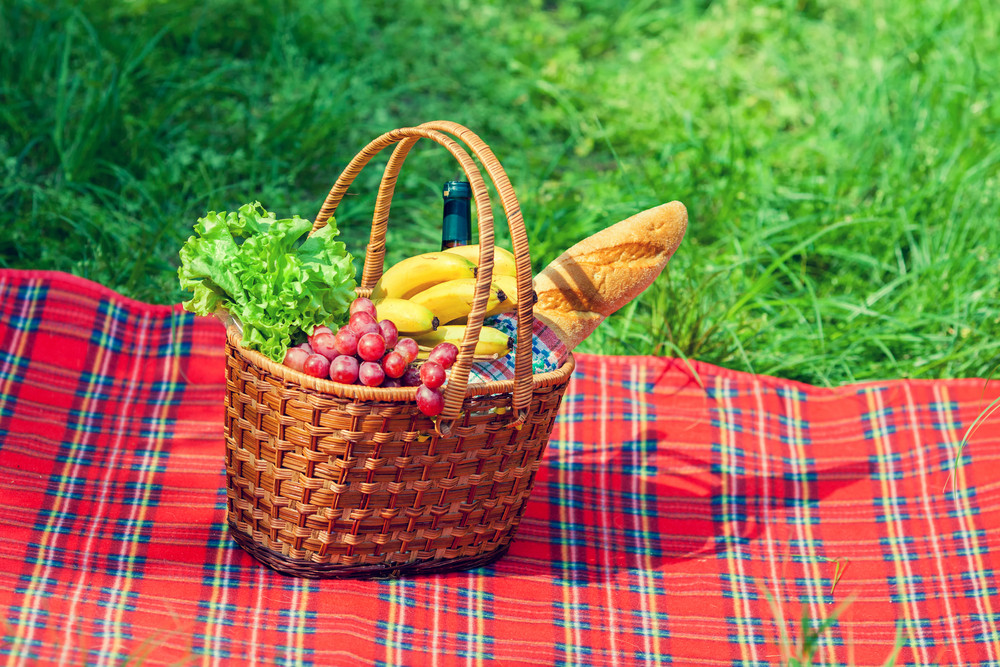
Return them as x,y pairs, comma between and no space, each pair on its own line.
328,480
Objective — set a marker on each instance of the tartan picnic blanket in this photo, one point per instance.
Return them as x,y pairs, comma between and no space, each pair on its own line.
683,514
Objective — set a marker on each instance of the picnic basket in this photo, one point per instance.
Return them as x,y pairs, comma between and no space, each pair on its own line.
326,480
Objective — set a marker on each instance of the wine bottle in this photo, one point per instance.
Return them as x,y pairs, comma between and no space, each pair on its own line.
456,229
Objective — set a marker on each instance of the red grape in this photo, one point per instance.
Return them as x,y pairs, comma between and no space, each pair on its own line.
409,348
346,341
344,369
391,382
325,344
432,374
410,377
307,347
429,401
370,374
389,332
371,347
317,366
363,305
444,354
321,329
394,365
362,323
295,357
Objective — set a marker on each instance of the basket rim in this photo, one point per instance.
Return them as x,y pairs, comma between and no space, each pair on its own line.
387,394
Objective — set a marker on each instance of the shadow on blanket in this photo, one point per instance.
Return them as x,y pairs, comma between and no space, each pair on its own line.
651,504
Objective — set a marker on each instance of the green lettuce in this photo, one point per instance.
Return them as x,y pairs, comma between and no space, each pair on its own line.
277,283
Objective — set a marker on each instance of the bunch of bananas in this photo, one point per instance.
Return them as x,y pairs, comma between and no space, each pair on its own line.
429,296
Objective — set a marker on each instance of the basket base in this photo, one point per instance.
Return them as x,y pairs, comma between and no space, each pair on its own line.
298,568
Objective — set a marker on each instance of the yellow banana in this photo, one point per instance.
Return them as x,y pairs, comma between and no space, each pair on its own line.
452,299
503,259
507,285
414,274
491,341
410,318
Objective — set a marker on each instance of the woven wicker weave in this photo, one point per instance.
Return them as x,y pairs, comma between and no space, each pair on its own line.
332,480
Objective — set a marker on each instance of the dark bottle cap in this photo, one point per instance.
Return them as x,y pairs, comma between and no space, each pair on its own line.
457,190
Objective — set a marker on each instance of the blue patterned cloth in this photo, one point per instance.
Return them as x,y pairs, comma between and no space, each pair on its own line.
548,352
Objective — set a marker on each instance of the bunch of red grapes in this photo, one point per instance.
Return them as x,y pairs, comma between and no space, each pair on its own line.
371,352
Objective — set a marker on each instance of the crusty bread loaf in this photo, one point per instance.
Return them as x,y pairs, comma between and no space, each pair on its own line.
603,272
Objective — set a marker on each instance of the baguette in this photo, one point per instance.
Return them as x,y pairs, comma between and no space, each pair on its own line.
603,272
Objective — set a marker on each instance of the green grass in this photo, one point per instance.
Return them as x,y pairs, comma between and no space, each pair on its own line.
840,160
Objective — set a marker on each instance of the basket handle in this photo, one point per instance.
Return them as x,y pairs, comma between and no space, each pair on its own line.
519,236
454,393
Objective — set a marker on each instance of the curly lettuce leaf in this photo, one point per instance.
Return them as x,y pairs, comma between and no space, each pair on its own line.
265,273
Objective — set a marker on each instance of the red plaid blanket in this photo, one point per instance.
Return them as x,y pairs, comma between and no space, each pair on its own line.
684,514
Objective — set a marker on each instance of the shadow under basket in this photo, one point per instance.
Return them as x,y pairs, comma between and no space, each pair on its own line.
327,486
